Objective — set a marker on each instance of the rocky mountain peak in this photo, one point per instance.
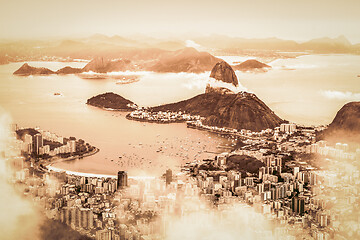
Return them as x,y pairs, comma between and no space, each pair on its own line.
222,71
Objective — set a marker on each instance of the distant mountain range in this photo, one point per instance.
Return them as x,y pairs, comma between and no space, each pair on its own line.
184,60
321,45
146,48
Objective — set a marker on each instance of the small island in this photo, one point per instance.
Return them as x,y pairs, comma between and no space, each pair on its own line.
251,65
112,101
69,70
27,70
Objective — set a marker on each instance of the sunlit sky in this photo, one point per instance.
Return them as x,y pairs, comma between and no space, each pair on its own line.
287,19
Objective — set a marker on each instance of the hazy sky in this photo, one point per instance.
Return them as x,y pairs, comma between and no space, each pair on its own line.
289,19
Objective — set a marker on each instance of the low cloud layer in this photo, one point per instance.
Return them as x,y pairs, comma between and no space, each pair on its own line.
341,186
238,222
18,219
191,43
201,81
338,95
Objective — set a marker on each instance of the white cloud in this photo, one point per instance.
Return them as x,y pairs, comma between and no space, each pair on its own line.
236,222
338,95
191,43
19,219
202,80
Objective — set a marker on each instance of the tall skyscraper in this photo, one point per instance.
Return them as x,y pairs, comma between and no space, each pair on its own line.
298,205
104,234
288,127
296,171
28,143
72,145
168,176
38,143
122,179
237,180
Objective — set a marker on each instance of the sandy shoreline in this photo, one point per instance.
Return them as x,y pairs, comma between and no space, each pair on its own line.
82,174
95,175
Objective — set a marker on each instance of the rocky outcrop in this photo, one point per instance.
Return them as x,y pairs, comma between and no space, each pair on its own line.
111,101
347,118
225,78
26,70
239,111
223,72
345,126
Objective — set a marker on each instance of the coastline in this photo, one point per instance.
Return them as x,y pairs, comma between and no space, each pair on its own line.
96,175
153,121
82,174
109,109
93,152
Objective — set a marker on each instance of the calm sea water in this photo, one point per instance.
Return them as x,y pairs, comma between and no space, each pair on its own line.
307,90
140,148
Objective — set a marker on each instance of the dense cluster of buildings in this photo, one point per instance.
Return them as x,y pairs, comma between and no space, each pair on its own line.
287,190
339,151
42,143
198,125
161,117
35,144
